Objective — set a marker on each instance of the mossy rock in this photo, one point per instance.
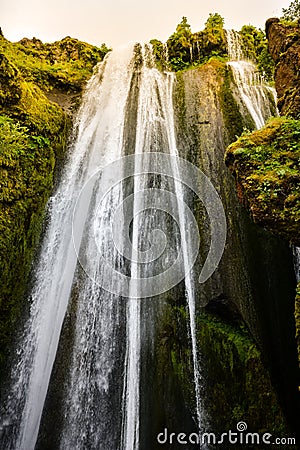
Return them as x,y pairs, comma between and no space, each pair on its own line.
233,119
265,164
65,64
237,385
27,164
33,138
10,83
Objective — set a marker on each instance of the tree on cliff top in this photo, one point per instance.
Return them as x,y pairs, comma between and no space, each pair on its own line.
292,12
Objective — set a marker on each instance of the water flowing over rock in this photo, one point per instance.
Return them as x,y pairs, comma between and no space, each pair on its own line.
88,353
256,95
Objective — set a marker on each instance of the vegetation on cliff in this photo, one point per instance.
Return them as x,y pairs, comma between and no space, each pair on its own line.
266,165
238,386
33,136
232,359
255,48
186,49
65,64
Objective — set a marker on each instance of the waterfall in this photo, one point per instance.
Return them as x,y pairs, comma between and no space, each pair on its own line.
104,100
255,95
127,109
98,270
234,46
166,53
186,242
296,255
191,54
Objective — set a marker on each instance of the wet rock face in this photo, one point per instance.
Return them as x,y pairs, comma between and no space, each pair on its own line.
255,279
284,46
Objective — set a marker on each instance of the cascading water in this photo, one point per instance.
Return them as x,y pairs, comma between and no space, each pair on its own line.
156,116
104,103
186,240
99,351
127,109
296,254
254,93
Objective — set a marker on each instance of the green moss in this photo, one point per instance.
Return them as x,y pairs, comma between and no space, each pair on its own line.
236,384
255,48
233,119
27,164
266,167
232,360
174,353
33,136
65,64
10,88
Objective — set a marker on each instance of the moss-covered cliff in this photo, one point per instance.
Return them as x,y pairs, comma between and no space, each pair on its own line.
254,281
247,364
266,163
39,87
266,166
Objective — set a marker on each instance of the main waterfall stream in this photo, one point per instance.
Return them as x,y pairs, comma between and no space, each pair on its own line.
127,110
126,91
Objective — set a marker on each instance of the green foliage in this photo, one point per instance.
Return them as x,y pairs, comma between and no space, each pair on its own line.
214,23
266,164
187,49
231,358
212,41
255,48
33,133
292,13
265,64
64,64
27,166
160,50
180,46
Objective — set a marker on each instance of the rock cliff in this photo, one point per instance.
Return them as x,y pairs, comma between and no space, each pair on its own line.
284,47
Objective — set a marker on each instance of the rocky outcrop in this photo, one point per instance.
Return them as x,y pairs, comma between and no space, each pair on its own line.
265,163
254,280
284,47
266,168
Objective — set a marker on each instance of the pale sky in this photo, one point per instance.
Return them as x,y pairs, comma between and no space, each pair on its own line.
116,22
